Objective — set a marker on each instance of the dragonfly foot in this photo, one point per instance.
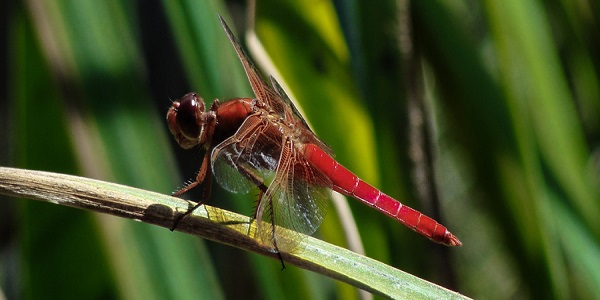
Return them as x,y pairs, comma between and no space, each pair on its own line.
281,260
183,215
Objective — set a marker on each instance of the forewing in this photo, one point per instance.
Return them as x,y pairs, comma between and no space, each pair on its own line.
309,136
275,98
260,88
247,158
286,99
298,195
297,199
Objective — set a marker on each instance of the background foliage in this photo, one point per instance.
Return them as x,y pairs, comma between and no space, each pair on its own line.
503,95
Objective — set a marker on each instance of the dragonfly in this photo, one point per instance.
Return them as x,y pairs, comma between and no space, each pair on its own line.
265,143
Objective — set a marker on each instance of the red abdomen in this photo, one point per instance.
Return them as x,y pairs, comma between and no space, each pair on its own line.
347,183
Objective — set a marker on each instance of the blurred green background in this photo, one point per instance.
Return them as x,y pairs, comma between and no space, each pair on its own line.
484,114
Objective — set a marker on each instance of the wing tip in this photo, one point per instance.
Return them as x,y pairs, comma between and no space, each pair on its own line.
226,27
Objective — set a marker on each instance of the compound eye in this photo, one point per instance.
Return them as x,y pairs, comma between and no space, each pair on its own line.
189,115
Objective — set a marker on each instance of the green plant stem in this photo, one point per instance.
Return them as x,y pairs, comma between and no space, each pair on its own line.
217,225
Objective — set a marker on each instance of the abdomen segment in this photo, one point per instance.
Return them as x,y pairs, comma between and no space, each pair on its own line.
347,183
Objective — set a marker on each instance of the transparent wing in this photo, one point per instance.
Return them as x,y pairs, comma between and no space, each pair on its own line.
297,199
285,98
309,136
260,88
247,158
274,97
298,195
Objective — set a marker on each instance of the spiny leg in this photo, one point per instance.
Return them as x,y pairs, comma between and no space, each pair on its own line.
262,190
274,236
205,177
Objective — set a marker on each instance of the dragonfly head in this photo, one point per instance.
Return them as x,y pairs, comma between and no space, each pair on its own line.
187,119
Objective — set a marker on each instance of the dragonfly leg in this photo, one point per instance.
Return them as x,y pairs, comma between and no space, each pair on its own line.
275,242
206,140
257,181
204,174
204,177
258,214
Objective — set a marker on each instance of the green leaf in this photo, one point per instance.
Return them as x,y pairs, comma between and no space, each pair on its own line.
217,225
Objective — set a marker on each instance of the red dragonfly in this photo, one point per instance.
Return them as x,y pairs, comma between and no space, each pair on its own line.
264,142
